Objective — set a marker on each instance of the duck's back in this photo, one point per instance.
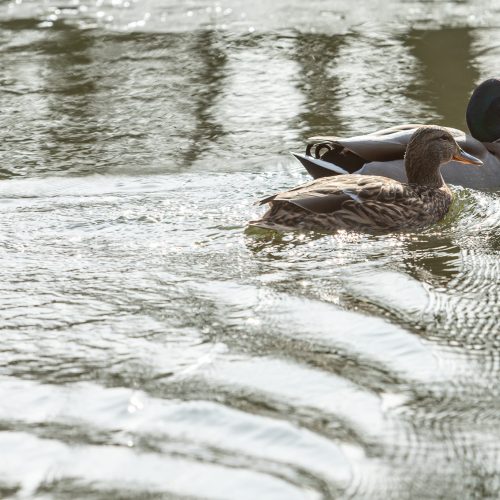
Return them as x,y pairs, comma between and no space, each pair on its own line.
360,202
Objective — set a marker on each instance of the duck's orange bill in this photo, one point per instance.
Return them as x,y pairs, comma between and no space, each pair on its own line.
464,157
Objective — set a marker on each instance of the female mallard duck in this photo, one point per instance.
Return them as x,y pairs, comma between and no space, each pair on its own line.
371,203
382,152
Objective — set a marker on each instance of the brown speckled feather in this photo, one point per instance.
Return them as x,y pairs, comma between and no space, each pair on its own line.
366,203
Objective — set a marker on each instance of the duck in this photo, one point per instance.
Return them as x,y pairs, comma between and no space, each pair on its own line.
370,203
382,152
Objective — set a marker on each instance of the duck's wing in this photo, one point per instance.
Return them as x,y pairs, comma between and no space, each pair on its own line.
384,150
383,145
331,194
332,155
388,144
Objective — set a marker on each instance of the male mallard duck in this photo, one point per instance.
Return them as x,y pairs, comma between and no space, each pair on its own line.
382,152
371,203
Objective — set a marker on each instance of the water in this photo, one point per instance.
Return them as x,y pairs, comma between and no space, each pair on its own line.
151,347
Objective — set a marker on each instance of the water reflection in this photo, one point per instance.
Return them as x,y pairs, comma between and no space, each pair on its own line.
434,258
317,54
447,71
208,47
74,131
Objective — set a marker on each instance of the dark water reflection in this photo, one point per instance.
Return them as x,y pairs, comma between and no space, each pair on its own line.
151,347
316,54
447,70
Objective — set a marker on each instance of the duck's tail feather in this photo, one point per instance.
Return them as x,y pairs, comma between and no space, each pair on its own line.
268,199
317,167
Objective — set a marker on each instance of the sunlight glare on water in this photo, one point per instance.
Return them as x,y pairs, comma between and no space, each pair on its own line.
151,345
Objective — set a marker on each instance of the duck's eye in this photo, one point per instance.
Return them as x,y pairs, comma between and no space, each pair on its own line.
444,137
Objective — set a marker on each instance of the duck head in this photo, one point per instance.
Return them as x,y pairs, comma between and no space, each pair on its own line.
428,149
483,111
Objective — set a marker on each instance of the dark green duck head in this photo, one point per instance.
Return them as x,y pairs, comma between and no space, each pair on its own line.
429,148
483,111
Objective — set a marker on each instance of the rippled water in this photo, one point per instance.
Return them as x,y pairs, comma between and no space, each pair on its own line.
153,348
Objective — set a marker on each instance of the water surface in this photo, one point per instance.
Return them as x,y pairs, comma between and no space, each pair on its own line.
151,348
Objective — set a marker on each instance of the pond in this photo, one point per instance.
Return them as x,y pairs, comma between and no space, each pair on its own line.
151,347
